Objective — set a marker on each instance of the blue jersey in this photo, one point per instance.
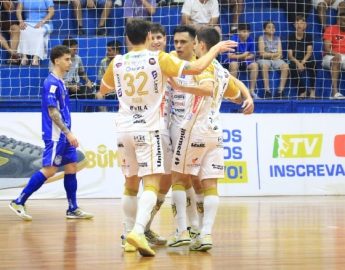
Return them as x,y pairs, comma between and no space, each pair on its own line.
244,46
54,95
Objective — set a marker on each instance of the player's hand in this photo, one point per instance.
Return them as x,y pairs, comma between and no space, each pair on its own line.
72,139
22,25
39,25
226,46
173,83
88,84
248,106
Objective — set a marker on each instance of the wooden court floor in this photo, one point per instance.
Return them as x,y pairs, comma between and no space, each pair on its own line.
250,233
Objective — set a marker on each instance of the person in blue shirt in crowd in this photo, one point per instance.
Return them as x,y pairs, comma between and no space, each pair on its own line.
243,58
60,142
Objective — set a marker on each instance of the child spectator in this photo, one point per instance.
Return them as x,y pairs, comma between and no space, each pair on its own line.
302,64
244,57
334,47
270,52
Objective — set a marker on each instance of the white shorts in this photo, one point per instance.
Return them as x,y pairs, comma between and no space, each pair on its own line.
140,153
275,64
334,5
168,151
326,61
199,155
174,134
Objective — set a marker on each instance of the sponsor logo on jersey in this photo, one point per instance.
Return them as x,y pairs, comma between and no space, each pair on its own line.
152,61
198,145
139,138
179,145
159,149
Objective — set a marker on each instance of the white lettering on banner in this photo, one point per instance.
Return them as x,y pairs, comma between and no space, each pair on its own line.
308,170
309,147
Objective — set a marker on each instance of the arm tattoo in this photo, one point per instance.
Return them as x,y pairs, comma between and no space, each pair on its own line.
56,117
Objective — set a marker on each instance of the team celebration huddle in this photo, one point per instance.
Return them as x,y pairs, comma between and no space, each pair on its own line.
169,133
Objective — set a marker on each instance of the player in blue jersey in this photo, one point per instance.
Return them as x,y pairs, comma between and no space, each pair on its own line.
60,143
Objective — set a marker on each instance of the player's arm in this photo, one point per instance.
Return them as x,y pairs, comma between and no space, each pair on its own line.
205,88
57,119
107,83
238,93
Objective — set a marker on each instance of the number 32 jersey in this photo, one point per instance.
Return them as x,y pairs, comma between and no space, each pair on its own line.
139,78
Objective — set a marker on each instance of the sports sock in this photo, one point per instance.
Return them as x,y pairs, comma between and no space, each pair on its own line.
160,201
146,203
129,203
211,202
200,207
35,182
179,203
191,209
70,183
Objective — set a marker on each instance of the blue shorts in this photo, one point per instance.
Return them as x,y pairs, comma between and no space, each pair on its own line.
58,153
97,2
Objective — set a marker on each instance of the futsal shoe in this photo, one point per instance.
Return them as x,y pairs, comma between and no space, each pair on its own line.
20,211
78,214
193,233
179,239
140,242
154,238
202,243
127,247
19,160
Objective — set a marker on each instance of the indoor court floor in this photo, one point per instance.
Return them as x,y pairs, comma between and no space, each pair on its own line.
250,233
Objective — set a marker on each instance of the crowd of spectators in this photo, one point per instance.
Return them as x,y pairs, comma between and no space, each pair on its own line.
25,37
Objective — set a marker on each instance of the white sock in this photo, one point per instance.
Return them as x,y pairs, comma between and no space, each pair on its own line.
192,213
146,203
211,203
179,201
200,207
160,201
129,208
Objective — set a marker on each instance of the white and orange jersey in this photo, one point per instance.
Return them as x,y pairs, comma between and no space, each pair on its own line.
139,78
203,116
180,101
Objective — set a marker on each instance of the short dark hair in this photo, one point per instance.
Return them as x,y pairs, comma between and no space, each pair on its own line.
209,36
300,17
158,28
137,30
267,23
243,27
58,51
69,42
186,28
114,44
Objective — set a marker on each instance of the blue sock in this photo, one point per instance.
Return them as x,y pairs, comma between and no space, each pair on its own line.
35,182
70,183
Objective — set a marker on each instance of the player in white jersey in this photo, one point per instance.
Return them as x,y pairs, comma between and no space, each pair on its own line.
184,41
139,78
199,149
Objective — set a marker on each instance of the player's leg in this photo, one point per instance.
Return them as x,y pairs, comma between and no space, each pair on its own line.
50,162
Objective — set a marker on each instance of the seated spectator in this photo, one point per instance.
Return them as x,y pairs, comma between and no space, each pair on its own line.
74,77
302,64
35,29
244,56
106,5
270,52
200,12
139,9
323,5
334,47
113,49
235,8
11,28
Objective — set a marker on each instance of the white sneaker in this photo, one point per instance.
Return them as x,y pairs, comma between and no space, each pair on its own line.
20,210
118,3
338,96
